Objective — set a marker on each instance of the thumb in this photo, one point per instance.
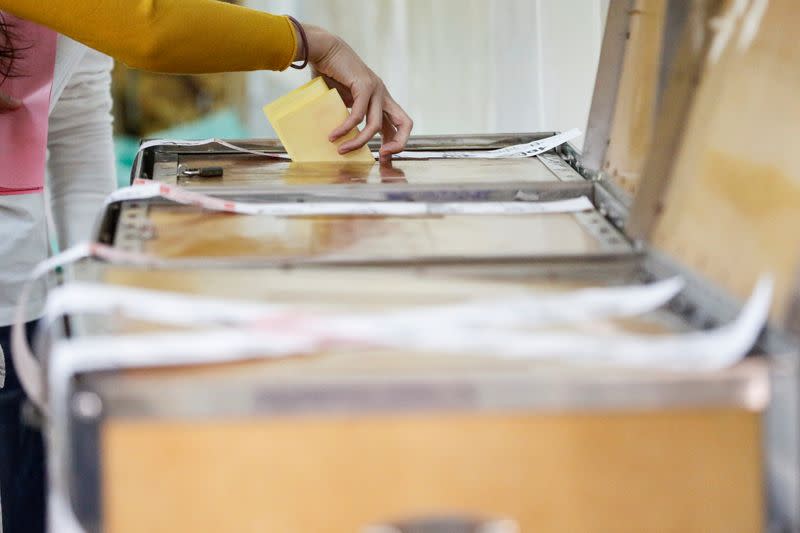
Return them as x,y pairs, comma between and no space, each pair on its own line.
8,103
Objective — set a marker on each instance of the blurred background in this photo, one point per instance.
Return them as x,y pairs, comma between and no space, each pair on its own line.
457,66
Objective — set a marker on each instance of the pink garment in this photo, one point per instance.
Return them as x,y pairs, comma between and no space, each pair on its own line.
23,132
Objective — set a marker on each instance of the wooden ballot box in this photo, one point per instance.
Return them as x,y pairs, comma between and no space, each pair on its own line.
363,439
342,440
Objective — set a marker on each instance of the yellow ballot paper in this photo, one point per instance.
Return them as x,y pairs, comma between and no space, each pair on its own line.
303,120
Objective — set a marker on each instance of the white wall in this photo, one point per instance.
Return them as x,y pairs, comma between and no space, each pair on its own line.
463,66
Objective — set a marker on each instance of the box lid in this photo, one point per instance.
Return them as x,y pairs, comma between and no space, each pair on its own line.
629,83
721,187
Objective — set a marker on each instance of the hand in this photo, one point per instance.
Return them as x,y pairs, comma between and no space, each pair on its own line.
362,90
8,103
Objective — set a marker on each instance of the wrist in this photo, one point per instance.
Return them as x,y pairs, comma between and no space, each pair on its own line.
320,42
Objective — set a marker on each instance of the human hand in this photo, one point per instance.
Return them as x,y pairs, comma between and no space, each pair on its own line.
8,103
362,91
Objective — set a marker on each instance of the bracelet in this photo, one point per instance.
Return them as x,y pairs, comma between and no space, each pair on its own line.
304,38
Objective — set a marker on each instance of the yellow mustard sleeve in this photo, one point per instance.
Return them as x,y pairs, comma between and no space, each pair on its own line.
177,36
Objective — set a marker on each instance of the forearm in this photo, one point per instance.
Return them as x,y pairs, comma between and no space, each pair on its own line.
180,36
82,163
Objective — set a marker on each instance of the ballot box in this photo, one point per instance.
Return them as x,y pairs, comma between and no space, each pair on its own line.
346,439
577,341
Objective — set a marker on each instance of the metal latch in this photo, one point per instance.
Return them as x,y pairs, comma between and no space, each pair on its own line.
200,172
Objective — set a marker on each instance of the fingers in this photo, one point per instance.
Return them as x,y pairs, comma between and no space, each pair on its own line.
373,126
8,103
361,101
388,135
362,88
386,116
403,125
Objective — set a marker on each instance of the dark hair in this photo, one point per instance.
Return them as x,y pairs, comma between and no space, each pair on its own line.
8,52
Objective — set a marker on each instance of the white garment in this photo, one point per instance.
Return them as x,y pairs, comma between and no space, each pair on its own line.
81,173
82,169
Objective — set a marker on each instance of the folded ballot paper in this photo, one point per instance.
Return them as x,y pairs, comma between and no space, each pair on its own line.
304,119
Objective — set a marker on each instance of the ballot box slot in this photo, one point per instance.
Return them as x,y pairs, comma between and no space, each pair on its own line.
249,171
415,143
146,160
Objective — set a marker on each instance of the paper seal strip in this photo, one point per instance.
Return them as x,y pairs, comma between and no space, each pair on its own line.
145,189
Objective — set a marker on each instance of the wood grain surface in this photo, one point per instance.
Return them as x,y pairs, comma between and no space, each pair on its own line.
676,472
